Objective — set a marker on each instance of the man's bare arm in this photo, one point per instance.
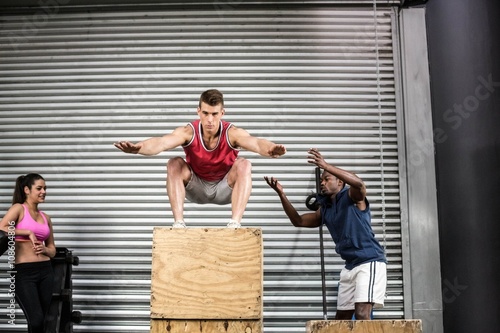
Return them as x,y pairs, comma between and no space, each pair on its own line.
357,188
307,220
242,139
156,145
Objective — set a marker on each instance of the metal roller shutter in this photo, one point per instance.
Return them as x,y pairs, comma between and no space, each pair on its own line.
304,76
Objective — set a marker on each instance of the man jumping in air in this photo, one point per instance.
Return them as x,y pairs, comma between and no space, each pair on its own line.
212,172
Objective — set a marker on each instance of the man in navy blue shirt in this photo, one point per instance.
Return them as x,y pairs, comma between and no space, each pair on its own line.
346,213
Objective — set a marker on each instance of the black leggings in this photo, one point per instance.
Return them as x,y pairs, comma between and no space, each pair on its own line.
34,286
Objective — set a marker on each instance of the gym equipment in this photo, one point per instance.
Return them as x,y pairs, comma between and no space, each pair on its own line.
61,316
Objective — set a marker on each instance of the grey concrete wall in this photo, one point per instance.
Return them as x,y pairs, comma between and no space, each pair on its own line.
464,59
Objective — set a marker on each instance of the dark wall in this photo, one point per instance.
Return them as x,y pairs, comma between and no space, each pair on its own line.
464,56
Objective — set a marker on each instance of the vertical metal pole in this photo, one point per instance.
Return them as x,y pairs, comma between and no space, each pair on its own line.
321,250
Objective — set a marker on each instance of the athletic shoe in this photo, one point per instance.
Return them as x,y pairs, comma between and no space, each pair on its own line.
179,224
233,224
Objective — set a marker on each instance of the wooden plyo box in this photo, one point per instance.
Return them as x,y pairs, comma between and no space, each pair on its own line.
364,326
207,280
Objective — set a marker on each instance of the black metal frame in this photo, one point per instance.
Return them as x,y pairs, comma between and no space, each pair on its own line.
61,316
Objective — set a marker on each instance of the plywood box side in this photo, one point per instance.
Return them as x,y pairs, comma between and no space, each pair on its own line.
207,273
203,326
364,326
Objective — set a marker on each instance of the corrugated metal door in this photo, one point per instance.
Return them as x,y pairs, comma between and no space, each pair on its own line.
74,82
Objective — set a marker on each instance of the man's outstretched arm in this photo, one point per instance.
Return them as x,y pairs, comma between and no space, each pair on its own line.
156,145
308,220
242,139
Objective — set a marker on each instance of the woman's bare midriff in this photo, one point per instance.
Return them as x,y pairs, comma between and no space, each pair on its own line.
25,253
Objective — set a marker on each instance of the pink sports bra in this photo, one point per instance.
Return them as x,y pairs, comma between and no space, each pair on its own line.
41,231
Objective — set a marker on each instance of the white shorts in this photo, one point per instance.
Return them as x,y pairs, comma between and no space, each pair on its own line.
365,283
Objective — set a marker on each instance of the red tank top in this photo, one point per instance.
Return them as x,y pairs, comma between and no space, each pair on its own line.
210,165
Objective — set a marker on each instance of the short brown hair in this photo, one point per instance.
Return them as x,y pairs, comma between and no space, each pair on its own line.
211,97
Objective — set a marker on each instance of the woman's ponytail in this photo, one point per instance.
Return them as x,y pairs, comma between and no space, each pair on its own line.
22,181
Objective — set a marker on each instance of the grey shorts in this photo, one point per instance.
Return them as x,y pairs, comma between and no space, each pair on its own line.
202,192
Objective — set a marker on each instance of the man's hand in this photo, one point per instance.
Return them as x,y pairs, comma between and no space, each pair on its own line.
274,184
315,157
277,151
127,147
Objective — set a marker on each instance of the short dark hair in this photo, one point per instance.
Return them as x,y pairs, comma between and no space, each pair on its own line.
343,182
211,97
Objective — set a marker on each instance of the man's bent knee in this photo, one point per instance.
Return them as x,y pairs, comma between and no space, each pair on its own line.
178,168
243,166
176,165
241,171
175,162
